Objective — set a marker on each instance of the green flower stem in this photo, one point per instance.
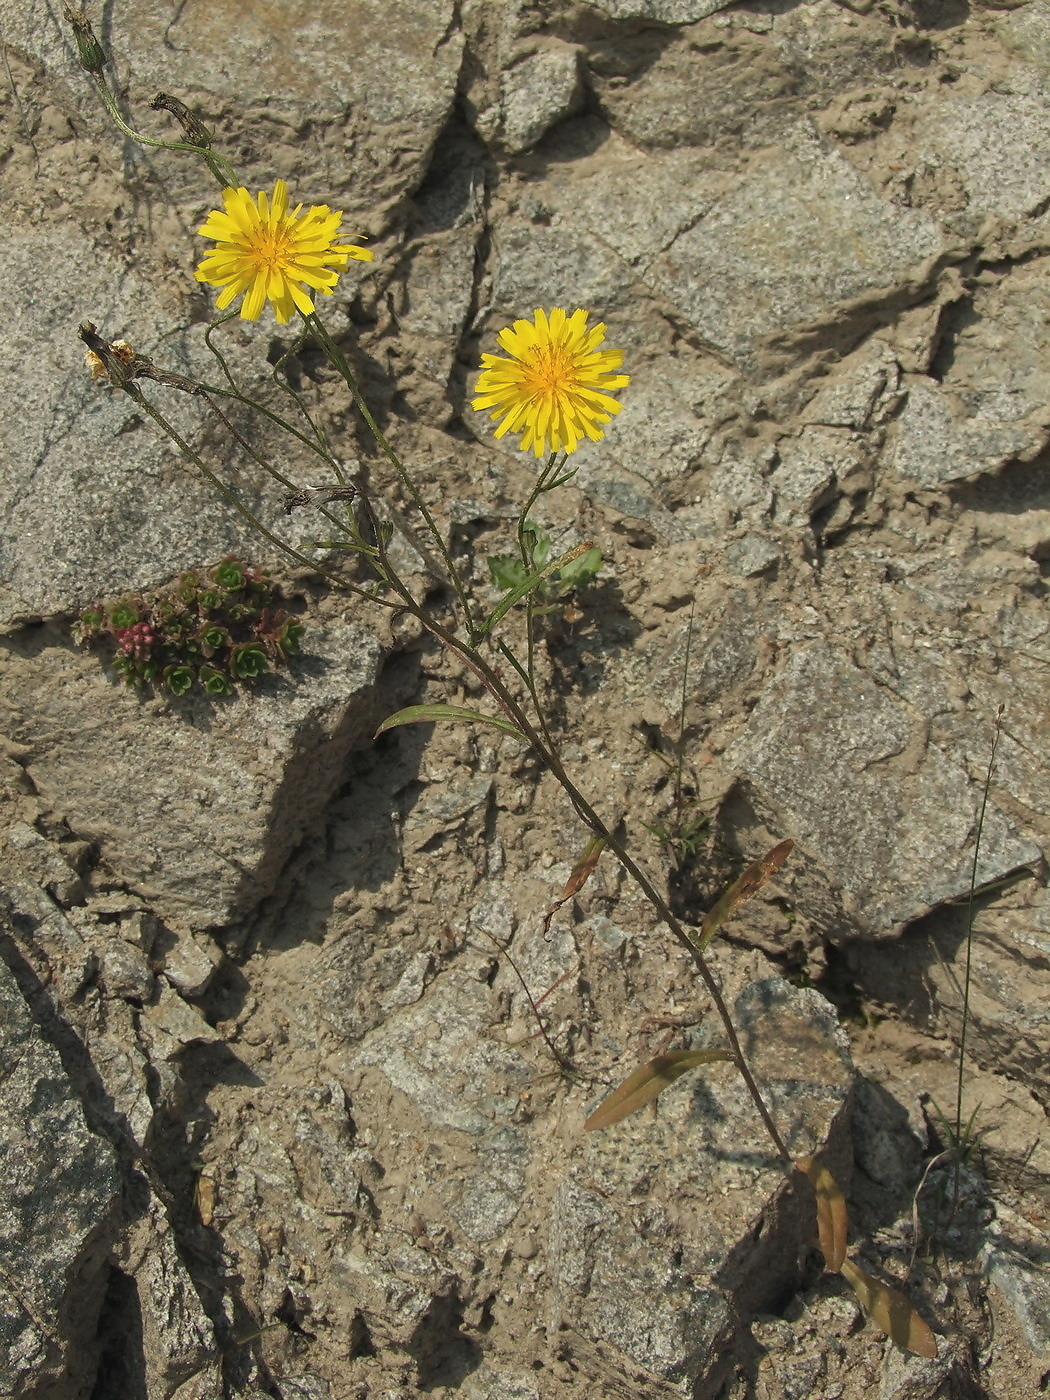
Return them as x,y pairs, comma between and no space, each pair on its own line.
339,362
546,481
550,759
223,172
538,741
546,751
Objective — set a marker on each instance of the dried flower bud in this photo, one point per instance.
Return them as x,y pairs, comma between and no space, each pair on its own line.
90,52
196,132
119,348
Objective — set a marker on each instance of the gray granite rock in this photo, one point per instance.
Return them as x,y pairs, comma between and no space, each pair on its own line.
1026,30
637,202
661,11
434,302
654,1245
181,1356
201,804
814,468
988,405
535,264
93,500
744,276
61,1202
538,91
926,970
490,1383
1023,1283
667,98
47,863
415,1049
295,74
860,392
888,816
938,440
776,295
752,555
994,143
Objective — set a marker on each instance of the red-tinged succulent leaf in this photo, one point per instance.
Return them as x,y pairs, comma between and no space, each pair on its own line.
890,1310
752,880
427,714
832,1223
646,1082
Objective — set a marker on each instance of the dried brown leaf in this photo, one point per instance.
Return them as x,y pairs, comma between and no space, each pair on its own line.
890,1309
584,868
832,1224
752,880
647,1081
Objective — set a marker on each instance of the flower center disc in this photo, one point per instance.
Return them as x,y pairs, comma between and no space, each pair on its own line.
549,369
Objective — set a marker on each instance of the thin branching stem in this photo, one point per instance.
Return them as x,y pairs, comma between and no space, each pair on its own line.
340,363
551,760
970,910
682,703
289,550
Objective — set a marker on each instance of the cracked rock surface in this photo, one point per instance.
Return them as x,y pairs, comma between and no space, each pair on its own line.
277,1118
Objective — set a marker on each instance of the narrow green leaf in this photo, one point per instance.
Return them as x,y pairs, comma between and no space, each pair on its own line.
832,1224
426,714
527,586
646,1082
752,880
891,1311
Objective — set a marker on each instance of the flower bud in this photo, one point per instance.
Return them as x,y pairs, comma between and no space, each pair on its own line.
90,52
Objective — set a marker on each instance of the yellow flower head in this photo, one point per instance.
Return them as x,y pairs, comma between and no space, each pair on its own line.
554,389
272,254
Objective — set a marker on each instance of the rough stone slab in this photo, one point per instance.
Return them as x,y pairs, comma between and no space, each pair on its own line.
90,506
59,1193
801,234
1025,1287
990,406
743,100
179,1343
197,806
813,469
536,93
861,392
416,1048
653,1246
637,202
96,501
535,266
996,144
662,11
836,755
939,441
389,84
1027,31
1009,973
